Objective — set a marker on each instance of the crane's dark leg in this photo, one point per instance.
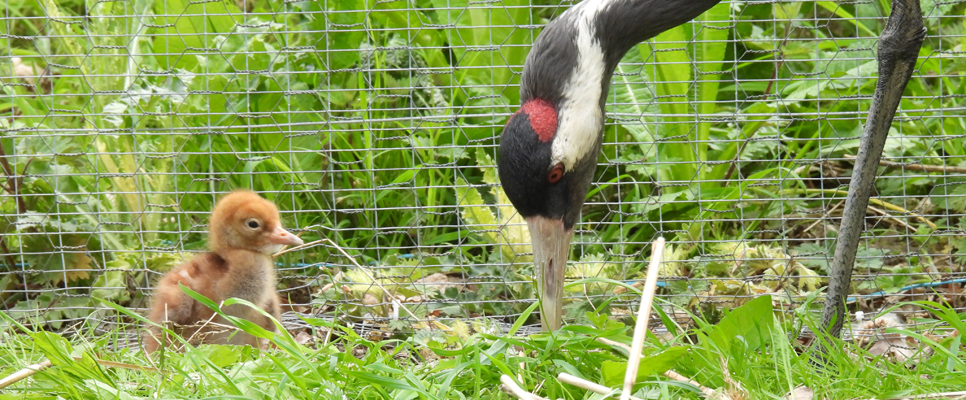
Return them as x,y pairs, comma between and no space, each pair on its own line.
899,46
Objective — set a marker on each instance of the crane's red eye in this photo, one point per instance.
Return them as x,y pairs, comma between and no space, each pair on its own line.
556,173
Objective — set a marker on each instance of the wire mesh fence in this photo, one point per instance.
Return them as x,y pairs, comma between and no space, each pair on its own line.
374,124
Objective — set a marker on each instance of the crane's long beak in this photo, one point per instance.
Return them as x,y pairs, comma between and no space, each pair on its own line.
551,247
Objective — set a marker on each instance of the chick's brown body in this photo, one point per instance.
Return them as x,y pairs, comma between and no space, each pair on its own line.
244,232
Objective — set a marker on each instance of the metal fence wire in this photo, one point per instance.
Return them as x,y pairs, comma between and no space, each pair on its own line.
374,124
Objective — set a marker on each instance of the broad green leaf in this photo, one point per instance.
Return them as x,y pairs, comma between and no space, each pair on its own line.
808,279
755,118
613,371
750,323
487,46
786,10
474,210
344,33
672,73
945,198
57,349
801,90
220,355
514,235
634,104
710,51
112,285
189,24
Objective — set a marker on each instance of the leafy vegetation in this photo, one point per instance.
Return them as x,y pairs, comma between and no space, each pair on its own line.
374,124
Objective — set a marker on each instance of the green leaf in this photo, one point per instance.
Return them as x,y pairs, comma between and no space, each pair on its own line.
220,355
710,51
812,88
343,33
387,382
786,10
613,371
840,11
407,175
755,118
522,319
673,81
808,279
514,235
200,298
111,285
57,349
750,323
634,103
474,210
188,24
954,199
486,46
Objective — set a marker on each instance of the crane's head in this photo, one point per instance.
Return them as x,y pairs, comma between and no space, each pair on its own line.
546,172
549,147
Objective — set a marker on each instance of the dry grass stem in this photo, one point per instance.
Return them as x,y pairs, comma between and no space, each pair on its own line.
24,373
827,214
918,167
203,325
587,385
884,213
35,368
299,247
943,395
643,316
516,390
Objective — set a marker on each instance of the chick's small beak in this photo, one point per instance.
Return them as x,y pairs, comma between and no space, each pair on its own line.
551,248
282,236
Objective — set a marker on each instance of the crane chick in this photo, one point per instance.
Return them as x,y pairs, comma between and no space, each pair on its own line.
244,232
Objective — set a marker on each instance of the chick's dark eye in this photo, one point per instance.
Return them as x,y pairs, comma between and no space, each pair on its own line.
556,173
253,224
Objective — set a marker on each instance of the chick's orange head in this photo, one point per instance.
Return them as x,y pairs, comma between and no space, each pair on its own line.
244,220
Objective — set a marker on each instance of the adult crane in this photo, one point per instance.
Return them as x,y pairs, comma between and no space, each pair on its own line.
549,147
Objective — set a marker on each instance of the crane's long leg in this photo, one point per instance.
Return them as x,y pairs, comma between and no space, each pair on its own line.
899,46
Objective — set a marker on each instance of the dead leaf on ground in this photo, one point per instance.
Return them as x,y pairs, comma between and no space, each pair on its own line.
303,338
894,346
800,393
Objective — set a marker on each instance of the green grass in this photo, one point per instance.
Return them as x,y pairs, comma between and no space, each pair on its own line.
751,351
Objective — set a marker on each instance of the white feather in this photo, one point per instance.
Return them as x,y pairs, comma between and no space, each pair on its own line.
581,116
